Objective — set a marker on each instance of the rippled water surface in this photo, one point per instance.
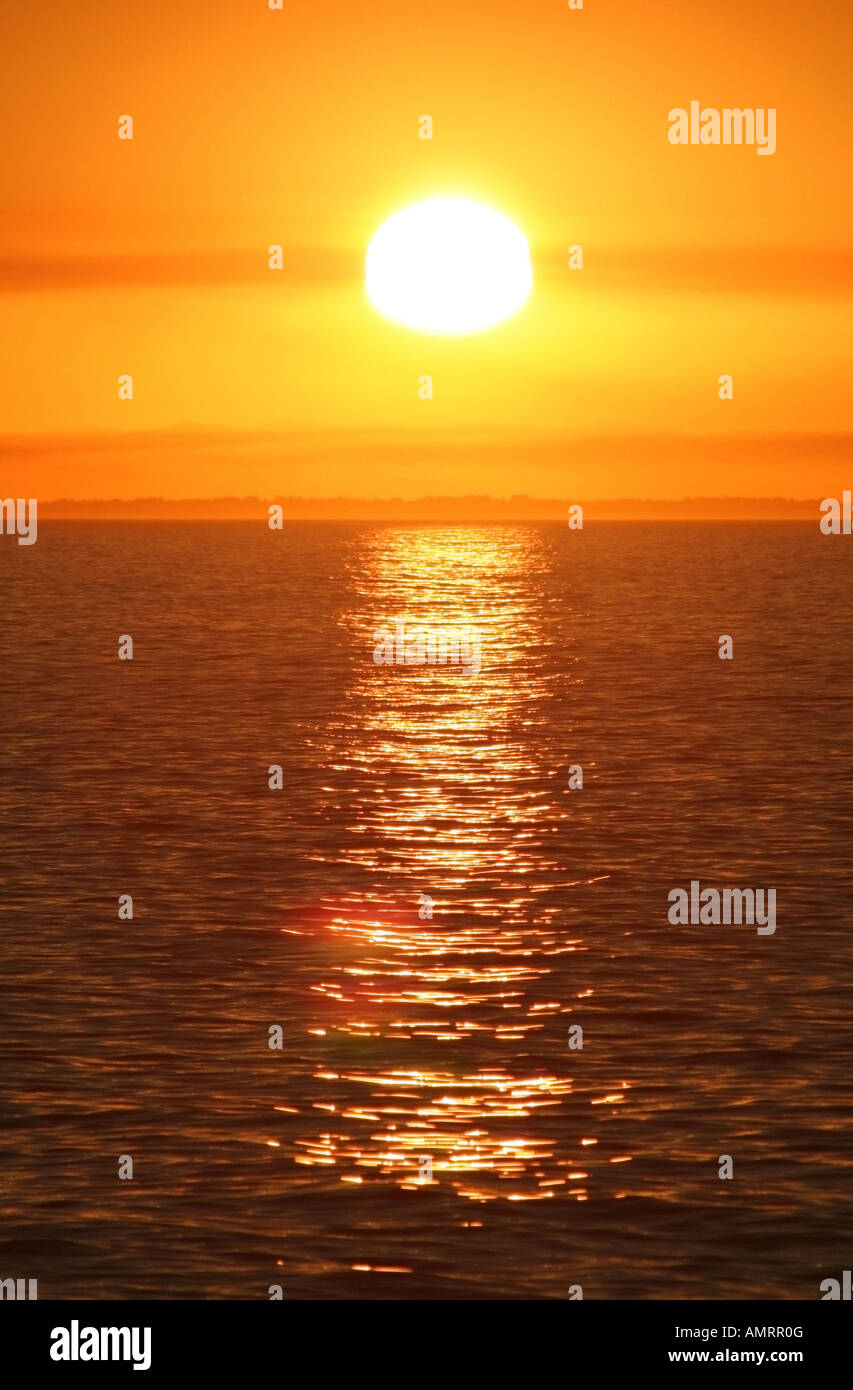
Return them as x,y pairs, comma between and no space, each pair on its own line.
409,1038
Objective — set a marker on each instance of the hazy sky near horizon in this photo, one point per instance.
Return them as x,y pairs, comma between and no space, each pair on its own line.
300,127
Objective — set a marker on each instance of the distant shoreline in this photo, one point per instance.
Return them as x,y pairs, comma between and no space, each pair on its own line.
456,510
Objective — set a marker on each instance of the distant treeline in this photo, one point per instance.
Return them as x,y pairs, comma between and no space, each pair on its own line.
457,509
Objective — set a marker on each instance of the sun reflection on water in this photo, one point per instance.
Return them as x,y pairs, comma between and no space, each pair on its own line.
446,1036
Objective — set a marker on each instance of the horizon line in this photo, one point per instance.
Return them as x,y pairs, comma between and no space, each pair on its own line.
469,507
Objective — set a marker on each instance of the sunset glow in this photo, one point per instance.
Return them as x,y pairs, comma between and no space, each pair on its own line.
151,256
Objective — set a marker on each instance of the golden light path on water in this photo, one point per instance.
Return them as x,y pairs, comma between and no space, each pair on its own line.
447,1038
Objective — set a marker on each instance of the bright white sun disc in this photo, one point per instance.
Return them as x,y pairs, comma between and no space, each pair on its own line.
448,266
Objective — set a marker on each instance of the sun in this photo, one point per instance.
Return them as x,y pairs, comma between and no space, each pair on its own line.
448,266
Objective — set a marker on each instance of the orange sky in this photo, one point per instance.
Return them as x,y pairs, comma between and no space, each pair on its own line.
300,127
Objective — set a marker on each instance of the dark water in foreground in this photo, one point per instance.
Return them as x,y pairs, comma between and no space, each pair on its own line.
407,1038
